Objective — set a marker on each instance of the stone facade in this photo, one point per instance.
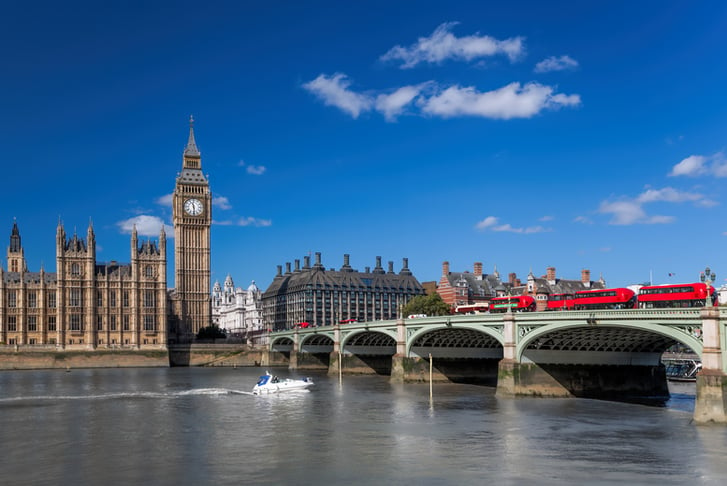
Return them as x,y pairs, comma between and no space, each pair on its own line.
236,310
86,304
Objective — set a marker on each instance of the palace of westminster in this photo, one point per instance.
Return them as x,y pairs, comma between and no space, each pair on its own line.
89,305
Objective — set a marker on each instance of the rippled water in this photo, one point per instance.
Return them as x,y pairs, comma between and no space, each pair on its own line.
191,426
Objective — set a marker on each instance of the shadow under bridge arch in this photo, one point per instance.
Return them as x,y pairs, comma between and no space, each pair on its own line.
368,352
460,355
315,352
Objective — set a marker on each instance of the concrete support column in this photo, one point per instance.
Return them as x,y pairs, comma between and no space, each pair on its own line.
711,402
510,334
398,366
336,358
293,363
400,337
508,376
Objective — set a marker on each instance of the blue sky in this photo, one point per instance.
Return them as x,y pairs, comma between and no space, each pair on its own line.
522,135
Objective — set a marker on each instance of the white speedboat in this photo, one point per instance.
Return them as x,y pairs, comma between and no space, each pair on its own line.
272,384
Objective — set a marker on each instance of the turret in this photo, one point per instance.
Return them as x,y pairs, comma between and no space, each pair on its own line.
16,255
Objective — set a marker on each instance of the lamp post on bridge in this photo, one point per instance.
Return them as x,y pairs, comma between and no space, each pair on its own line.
707,276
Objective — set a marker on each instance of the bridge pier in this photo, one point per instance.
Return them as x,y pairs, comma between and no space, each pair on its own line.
516,379
711,401
334,362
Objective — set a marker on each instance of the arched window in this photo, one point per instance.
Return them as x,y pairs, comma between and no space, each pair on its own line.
149,271
75,269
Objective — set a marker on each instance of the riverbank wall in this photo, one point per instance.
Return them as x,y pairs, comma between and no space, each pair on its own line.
67,359
31,358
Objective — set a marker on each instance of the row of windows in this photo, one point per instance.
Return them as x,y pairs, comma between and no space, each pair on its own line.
75,298
33,341
76,323
76,270
667,290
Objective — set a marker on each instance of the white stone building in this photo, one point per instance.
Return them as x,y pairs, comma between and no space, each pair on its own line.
237,311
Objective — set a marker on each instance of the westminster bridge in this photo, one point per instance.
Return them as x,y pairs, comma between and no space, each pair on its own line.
610,354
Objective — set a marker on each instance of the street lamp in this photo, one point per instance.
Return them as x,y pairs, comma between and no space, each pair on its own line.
707,276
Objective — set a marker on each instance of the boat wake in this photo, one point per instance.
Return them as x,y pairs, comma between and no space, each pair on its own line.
128,395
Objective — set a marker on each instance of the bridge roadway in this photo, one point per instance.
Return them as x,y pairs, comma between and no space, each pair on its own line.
611,354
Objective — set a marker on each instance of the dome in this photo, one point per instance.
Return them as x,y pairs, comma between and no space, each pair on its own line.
253,287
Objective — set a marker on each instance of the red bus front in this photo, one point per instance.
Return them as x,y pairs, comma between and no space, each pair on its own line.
678,295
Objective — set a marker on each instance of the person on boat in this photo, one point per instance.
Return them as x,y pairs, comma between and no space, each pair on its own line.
275,379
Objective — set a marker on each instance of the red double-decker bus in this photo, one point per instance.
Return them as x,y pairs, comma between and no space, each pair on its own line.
517,303
560,302
678,295
620,298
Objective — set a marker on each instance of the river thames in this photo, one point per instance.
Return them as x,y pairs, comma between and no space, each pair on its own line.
193,426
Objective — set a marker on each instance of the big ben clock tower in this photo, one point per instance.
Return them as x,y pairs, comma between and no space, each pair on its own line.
192,210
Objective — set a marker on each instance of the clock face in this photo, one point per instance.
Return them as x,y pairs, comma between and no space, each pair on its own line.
193,207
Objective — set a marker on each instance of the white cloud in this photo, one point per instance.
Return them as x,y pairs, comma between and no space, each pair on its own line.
556,64
221,202
165,200
443,45
582,219
668,194
252,169
511,101
333,91
256,169
250,221
491,223
624,212
486,223
691,166
701,165
627,211
546,218
392,105
145,225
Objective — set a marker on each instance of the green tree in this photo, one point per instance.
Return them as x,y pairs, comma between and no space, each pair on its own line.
431,305
211,332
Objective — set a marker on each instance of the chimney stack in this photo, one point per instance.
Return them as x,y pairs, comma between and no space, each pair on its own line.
550,275
478,270
445,268
586,278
